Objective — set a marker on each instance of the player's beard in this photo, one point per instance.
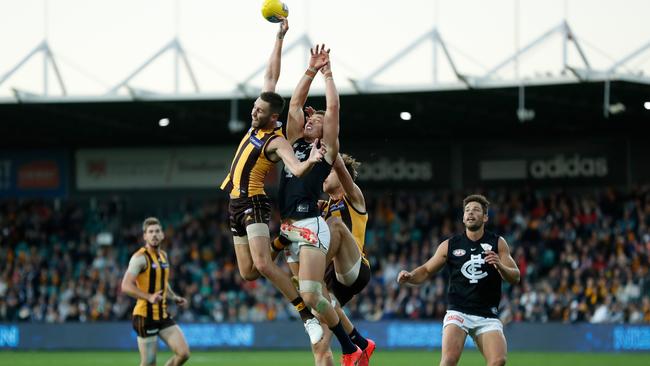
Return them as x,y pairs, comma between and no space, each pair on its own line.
475,227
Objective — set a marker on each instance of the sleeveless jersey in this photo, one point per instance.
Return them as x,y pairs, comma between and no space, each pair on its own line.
251,164
474,285
298,197
151,280
355,221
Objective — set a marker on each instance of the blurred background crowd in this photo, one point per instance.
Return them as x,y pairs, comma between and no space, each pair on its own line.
583,256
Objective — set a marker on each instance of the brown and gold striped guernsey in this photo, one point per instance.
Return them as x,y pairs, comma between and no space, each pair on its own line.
355,221
151,280
251,164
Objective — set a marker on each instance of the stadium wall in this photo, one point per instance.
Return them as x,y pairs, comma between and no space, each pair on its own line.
457,165
290,335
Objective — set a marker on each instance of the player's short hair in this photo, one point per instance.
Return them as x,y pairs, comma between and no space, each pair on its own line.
149,221
352,165
275,100
321,112
477,198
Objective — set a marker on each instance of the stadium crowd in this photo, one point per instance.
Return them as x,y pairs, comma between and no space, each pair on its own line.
583,256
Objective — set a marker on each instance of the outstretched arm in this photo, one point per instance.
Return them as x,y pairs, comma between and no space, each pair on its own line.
273,69
280,146
428,269
331,120
352,191
296,117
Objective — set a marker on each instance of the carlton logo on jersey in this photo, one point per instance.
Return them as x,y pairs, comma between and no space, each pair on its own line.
472,268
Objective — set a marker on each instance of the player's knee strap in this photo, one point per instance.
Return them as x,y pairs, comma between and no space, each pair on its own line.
258,229
350,276
146,340
240,240
317,288
311,286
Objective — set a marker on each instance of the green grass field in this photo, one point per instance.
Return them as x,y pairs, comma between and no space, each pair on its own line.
295,358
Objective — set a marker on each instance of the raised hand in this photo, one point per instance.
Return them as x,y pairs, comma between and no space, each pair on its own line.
316,155
284,27
310,111
319,57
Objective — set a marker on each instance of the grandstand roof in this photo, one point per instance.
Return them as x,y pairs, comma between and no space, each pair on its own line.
569,110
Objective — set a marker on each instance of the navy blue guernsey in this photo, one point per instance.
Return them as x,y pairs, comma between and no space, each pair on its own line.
298,197
474,285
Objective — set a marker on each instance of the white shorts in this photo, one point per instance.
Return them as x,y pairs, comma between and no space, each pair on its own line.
472,324
315,225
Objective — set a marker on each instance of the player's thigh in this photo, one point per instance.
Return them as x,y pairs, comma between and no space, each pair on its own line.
348,254
260,248
242,251
492,345
175,339
312,264
453,341
148,347
294,267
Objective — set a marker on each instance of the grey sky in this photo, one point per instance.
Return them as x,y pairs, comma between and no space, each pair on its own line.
98,42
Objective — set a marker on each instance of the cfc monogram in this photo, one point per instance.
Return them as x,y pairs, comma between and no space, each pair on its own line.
472,269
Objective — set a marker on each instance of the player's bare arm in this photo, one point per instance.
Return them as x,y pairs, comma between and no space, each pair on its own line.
171,295
129,285
503,262
280,148
428,269
272,73
296,116
331,119
352,191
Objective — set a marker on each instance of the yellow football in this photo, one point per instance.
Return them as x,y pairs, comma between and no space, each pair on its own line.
271,9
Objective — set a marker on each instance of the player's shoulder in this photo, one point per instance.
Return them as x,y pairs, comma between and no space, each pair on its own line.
492,235
139,252
455,238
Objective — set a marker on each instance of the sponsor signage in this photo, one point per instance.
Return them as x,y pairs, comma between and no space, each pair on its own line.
560,166
36,173
552,163
386,169
200,167
546,337
401,164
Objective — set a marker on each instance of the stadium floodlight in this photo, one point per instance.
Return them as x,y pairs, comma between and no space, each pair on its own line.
235,125
616,108
405,116
525,115
646,105
164,122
